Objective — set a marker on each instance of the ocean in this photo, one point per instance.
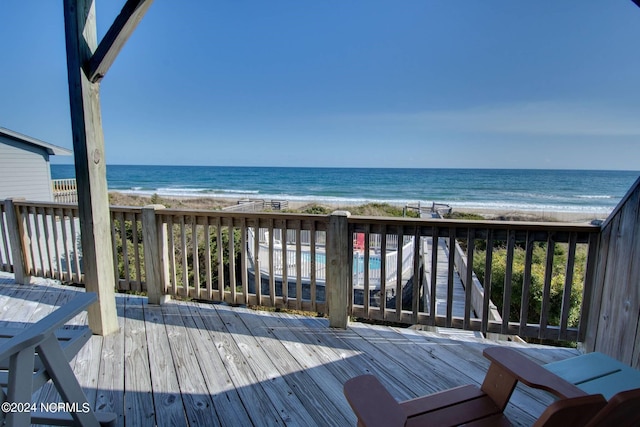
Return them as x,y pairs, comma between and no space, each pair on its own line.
504,189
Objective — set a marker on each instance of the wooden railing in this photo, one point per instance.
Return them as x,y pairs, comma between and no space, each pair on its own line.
484,240
65,190
6,263
615,322
128,248
211,255
198,245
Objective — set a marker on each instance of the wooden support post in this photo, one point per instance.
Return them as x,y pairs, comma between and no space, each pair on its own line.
91,172
338,274
18,242
155,254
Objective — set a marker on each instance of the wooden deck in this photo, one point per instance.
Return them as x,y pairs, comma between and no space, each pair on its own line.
186,363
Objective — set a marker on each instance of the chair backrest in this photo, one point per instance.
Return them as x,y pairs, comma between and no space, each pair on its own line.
622,410
576,411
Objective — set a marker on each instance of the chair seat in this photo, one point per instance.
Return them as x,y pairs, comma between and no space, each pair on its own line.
460,405
71,339
596,373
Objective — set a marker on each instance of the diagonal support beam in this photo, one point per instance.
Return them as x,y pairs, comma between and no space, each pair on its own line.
121,29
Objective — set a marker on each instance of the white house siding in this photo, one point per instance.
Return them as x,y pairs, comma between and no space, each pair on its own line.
24,171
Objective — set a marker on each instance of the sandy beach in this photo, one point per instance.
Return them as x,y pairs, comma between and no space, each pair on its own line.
186,202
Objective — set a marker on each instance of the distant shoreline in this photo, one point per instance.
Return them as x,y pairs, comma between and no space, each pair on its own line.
204,202
574,194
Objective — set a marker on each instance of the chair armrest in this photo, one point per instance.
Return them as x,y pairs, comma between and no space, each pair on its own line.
372,403
530,373
37,332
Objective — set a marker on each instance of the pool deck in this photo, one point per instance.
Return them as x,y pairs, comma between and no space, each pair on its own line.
185,363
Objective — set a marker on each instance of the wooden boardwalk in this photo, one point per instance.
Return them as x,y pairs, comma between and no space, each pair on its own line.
186,363
442,272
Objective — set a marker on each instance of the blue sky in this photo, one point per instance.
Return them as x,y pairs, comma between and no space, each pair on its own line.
362,83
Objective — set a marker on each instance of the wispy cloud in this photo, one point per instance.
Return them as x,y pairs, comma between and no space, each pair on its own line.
536,118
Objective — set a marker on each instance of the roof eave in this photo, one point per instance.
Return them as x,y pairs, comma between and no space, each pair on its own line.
50,148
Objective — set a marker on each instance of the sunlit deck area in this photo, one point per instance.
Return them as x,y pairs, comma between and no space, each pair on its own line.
185,363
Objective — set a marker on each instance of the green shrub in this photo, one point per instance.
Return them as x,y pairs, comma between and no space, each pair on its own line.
536,289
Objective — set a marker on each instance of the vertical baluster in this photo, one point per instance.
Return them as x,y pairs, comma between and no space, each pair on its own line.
487,281
232,262
508,276
256,262
435,243
312,253
244,265
185,258
33,271
366,285
65,243
568,285
526,284
37,217
75,241
172,256
417,279
546,293
114,245
207,258
57,238
220,249
125,250
299,266
399,268
136,251
471,242
589,278
46,215
451,262
5,240
285,267
196,257
272,279
383,271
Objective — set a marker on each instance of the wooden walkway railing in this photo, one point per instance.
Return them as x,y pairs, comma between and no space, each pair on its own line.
65,190
209,255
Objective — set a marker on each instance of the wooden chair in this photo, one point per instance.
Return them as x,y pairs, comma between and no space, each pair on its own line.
470,405
30,356
596,373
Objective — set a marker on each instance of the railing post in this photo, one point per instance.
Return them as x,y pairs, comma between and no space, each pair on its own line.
337,283
155,254
18,241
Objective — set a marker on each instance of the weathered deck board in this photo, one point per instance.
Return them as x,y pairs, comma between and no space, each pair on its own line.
110,395
166,390
226,400
255,399
186,363
139,399
198,406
